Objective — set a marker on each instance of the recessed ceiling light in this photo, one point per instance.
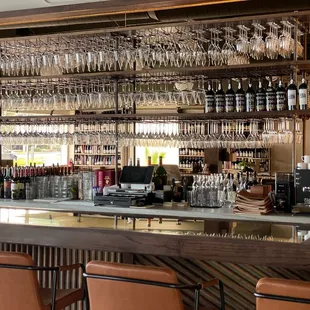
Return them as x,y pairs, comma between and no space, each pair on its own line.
59,2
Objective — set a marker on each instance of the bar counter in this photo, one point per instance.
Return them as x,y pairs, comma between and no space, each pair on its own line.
50,233
165,211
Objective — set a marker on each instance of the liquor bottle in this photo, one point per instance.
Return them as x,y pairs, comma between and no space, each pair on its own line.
15,192
160,176
250,98
28,184
149,161
138,162
7,183
230,99
292,95
220,100
210,100
281,97
260,98
271,98
303,95
240,98
22,194
1,183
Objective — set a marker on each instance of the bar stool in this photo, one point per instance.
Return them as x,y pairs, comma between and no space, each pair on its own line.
133,287
282,294
19,286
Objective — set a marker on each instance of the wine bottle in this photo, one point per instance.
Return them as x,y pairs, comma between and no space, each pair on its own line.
210,100
1,183
240,98
281,97
15,192
7,183
220,100
250,98
28,184
260,98
303,95
21,186
138,162
292,95
160,176
271,98
230,99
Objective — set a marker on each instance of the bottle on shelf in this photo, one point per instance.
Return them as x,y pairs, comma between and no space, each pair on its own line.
292,95
1,183
281,97
220,100
15,191
271,97
149,161
230,99
240,98
160,179
250,98
210,100
260,97
7,183
303,94
138,162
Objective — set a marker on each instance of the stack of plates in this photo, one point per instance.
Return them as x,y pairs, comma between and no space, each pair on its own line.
247,203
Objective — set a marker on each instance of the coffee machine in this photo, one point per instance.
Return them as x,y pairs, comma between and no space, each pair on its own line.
302,184
285,191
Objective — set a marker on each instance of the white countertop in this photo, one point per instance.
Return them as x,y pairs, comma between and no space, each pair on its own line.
176,212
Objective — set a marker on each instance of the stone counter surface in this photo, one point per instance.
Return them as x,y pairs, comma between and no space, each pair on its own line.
175,212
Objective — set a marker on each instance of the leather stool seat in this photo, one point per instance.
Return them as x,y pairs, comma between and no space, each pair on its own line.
117,286
282,288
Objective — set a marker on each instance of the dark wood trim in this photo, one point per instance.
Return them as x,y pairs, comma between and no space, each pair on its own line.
98,9
238,251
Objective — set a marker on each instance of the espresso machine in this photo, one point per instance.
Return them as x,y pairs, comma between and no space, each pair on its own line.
302,184
284,192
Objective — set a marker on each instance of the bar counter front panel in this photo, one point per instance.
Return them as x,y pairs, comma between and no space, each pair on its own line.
53,236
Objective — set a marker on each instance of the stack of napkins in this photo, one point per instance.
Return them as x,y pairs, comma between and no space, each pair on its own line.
248,203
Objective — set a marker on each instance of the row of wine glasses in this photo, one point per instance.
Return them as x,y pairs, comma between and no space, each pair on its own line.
178,46
187,134
80,94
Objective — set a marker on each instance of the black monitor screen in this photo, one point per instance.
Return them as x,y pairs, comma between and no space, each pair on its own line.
136,175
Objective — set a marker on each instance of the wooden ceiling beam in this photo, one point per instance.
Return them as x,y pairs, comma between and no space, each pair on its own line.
99,9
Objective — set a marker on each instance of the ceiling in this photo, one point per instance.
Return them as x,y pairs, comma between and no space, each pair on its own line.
13,5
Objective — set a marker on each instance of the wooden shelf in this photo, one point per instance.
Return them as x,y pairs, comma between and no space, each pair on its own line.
94,154
185,168
192,156
256,158
105,166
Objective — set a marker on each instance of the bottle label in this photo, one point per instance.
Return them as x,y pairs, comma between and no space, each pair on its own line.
261,102
271,102
240,103
250,102
303,98
210,103
291,99
230,103
14,186
220,103
281,101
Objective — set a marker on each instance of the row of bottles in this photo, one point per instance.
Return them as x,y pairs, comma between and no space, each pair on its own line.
270,99
94,149
23,182
192,152
90,160
196,165
215,189
259,153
